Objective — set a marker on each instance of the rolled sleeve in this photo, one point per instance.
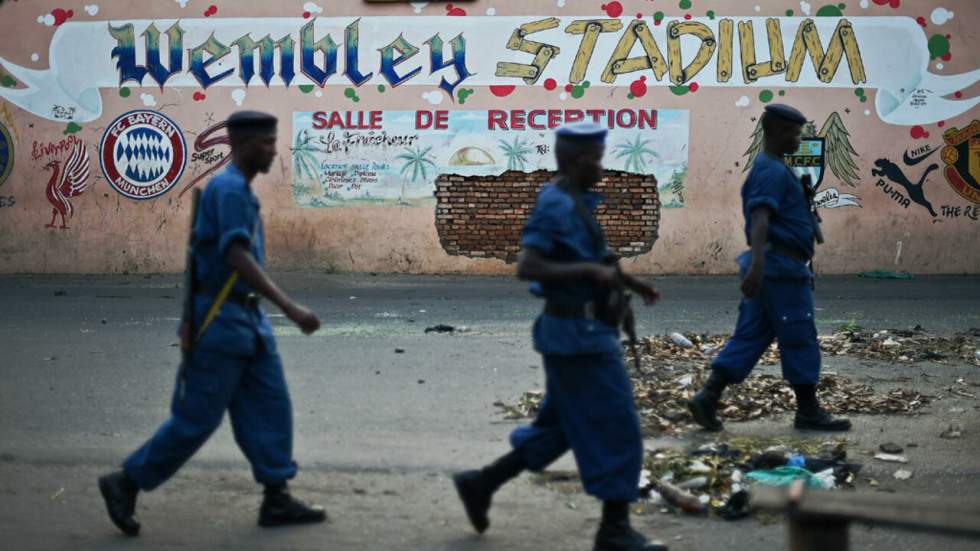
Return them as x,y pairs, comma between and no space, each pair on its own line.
236,218
543,229
765,188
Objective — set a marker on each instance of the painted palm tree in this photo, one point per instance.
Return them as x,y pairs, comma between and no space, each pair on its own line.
636,153
418,161
516,153
304,162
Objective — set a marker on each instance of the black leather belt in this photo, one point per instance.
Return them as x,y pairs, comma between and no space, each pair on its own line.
790,252
571,310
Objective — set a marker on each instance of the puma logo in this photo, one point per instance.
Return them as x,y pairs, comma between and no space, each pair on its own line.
915,192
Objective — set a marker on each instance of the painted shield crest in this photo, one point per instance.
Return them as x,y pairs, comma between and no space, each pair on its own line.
810,158
6,154
143,154
962,157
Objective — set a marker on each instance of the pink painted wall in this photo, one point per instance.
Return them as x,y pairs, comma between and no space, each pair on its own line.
109,232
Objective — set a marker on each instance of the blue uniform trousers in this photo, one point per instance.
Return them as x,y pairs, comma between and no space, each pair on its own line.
783,310
252,389
588,406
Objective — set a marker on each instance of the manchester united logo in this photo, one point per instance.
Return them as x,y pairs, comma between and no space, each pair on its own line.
962,157
143,154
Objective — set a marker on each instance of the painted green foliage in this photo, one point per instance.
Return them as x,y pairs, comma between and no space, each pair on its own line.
636,153
516,153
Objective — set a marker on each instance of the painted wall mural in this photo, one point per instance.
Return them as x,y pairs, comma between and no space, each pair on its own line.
890,55
826,150
69,167
346,157
391,114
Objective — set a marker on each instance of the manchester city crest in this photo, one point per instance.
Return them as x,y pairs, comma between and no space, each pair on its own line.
143,154
809,159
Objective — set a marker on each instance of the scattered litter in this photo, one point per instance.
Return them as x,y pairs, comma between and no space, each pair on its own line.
952,432
57,494
891,447
670,374
784,476
713,474
681,340
441,328
679,498
695,483
902,474
891,458
737,506
353,298
50,358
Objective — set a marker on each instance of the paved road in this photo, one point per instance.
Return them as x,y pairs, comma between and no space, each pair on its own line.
88,365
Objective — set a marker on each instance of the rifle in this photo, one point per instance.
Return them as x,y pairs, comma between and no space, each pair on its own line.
613,305
190,285
618,307
811,194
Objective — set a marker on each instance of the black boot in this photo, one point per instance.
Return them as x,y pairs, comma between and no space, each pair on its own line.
809,414
616,534
281,509
476,488
704,404
119,492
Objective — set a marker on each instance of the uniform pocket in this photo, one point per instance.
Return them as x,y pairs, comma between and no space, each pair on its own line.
790,304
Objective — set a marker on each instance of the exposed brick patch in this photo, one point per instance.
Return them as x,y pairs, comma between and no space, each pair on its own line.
482,216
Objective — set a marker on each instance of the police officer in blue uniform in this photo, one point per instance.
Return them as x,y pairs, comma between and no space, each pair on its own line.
234,365
588,404
776,285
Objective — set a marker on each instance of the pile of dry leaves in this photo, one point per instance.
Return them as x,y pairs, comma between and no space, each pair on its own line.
672,369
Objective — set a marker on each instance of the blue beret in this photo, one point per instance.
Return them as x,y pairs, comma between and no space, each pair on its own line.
786,112
582,132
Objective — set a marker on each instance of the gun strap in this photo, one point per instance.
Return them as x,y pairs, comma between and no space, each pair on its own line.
219,300
223,294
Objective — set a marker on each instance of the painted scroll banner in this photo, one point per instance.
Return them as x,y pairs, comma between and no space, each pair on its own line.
395,162
890,54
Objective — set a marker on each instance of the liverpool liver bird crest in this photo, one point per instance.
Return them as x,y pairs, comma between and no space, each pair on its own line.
66,182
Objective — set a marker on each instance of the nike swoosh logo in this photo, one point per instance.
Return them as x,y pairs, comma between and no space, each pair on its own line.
912,161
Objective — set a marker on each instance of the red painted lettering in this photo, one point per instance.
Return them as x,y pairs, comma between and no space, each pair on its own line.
531,119
648,118
496,119
319,120
442,120
554,118
517,118
625,118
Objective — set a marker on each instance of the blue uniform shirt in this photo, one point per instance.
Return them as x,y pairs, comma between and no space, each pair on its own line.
228,212
557,230
773,184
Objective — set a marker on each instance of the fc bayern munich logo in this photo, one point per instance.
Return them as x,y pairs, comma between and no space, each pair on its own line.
143,154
